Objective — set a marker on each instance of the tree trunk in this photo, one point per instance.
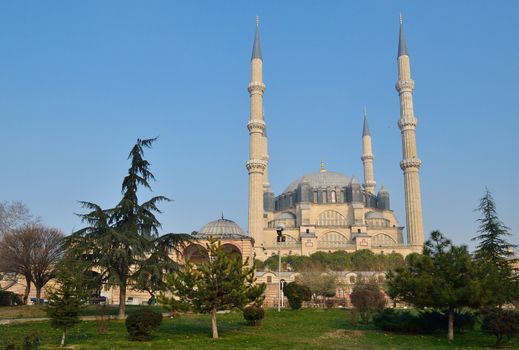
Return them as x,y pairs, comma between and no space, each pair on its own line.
213,323
450,334
122,301
63,338
27,290
38,295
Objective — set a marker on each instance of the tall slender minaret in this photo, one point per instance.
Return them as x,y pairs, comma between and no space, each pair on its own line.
257,164
367,157
410,163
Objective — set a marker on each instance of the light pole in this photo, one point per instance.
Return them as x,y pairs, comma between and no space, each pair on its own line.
280,239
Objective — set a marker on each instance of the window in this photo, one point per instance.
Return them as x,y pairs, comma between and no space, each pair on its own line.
315,197
324,196
352,279
269,279
334,197
331,218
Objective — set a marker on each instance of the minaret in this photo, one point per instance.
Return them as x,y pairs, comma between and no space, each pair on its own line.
256,164
367,157
410,163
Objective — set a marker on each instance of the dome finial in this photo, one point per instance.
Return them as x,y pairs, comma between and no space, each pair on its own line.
323,170
257,21
401,18
402,45
222,215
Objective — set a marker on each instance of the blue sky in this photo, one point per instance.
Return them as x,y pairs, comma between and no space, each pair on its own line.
80,81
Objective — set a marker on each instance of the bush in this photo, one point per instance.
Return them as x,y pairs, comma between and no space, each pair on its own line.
367,298
296,294
501,323
141,323
9,298
253,315
421,321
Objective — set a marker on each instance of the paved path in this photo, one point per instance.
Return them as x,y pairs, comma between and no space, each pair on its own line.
38,319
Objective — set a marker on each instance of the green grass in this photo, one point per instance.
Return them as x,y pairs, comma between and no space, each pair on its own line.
305,330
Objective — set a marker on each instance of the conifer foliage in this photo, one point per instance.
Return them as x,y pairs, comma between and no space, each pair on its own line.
119,241
222,283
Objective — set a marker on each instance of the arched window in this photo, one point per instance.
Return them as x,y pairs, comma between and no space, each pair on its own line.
196,254
332,240
334,197
331,218
316,199
324,197
382,240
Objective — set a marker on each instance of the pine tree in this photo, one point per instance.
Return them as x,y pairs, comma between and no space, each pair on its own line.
493,256
70,293
222,283
118,241
492,245
444,277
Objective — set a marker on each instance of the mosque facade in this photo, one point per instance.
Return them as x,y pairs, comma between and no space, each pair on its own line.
326,210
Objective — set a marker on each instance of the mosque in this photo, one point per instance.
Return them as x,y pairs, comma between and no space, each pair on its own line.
326,210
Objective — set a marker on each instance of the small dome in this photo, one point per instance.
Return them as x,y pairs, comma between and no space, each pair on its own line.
374,215
321,179
221,227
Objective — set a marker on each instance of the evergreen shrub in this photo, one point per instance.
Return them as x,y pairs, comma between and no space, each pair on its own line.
9,298
296,294
141,323
253,315
421,321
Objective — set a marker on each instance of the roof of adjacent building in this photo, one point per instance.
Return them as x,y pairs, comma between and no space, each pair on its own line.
221,228
322,179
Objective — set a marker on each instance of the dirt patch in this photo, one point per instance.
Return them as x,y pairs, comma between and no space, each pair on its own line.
342,333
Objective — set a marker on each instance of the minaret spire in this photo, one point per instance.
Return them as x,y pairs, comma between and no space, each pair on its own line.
410,163
256,48
367,157
402,45
258,159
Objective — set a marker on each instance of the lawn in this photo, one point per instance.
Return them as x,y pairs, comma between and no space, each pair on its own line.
305,330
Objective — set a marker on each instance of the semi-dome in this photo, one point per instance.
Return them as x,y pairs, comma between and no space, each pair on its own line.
322,179
221,227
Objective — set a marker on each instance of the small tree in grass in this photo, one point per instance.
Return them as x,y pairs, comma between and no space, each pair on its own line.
367,298
66,299
222,283
444,277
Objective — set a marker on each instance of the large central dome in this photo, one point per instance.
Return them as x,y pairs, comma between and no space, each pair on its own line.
321,179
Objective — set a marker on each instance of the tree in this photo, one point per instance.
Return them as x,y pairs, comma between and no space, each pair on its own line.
493,255
367,298
320,284
13,215
31,251
223,283
69,294
443,277
297,293
150,276
118,241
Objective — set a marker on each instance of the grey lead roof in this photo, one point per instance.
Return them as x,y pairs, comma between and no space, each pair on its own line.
365,129
256,48
221,227
320,180
402,46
